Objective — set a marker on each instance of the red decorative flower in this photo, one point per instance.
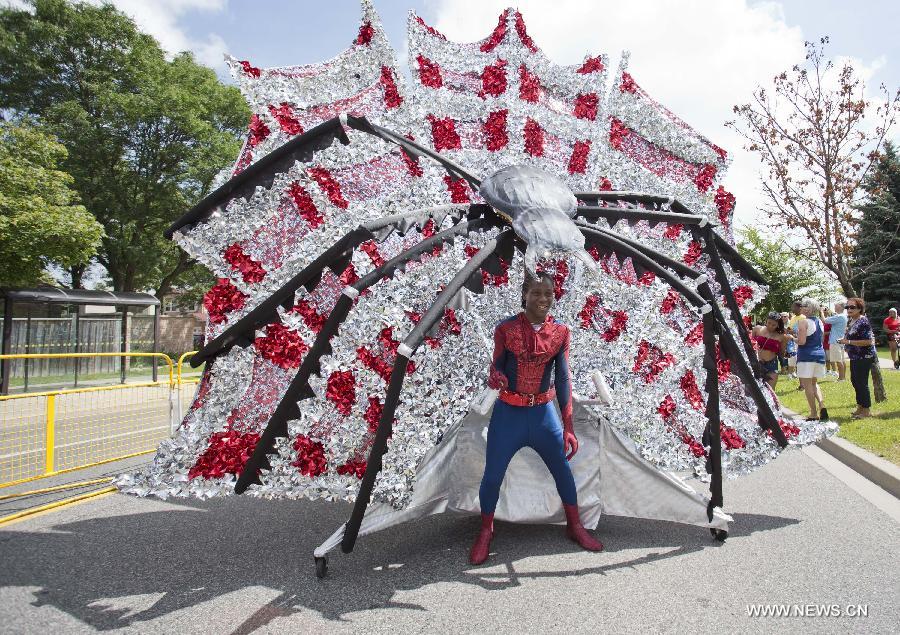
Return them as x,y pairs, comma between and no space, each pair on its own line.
248,69
383,364
493,78
627,84
529,85
789,429
730,438
258,131
651,361
356,468
312,318
586,106
673,231
281,346
591,65
723,366
578,160
341,390
693,253
227,453
329,185
719,151
646,279
458,188
704,178
691,391
348,276
284,115
724,203
742,294
695,446
490,279
669,302
412,164
497,36
494,128
430,29
666,409
534,138
373,413
523,34
429,73
251,271
605,185
392,97
560,272
365,34
695,335
443,134
222,298
371,250
305,205
617,133
310,456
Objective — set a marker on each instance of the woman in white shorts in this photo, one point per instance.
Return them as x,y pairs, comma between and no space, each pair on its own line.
811,358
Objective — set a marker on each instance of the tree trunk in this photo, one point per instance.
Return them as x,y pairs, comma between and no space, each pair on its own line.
77,273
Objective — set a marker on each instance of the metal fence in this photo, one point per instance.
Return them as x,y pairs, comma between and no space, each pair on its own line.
46,433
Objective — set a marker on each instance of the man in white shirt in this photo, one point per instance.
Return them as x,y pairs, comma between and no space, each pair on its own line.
838,323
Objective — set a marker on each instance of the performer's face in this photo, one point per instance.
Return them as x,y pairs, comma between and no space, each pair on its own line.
538,300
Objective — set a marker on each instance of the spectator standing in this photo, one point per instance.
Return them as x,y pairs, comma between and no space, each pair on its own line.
826,327
892,329
796,316
783,355
838,323
811,357
770,344
860,345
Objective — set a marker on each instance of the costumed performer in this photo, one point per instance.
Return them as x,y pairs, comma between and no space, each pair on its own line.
528,347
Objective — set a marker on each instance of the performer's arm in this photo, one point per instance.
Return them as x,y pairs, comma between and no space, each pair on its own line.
563,381
496,379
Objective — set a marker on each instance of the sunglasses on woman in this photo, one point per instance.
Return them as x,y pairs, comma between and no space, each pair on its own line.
853,306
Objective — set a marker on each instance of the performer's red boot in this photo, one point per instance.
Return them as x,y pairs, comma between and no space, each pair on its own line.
482,546
577,532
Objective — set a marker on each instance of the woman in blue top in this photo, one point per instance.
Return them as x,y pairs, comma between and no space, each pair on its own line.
811,358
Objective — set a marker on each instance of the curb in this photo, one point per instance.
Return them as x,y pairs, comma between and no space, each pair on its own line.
882,473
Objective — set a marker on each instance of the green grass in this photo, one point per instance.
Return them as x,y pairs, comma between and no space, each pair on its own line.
879,434
883,352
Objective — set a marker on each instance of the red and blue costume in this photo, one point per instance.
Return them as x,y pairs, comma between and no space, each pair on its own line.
524,416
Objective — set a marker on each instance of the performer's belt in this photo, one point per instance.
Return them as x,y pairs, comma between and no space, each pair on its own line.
526,399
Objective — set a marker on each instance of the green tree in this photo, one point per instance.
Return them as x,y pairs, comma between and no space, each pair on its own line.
41,221
789,276
876,258
145,135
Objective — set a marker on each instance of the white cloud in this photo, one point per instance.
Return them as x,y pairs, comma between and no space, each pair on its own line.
696,57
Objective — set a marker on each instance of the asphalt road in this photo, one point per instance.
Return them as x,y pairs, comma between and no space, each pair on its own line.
801,537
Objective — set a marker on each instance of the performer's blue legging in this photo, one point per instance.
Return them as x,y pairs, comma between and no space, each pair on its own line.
513,428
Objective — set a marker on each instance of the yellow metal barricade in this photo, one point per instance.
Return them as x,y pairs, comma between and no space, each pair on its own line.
46,433
186,387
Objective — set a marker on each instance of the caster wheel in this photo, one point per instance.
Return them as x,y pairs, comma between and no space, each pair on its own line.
718,534
321,567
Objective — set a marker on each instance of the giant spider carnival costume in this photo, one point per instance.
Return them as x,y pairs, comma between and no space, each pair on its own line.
371,236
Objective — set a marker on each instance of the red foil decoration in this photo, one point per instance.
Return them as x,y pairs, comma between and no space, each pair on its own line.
493,79
693,253
458,188
281,346
578,160
627,85
494,128
673,231
529,85
669,302
430,29
443,134
227,453
704,178
371,250
695,446
591,65
310,459
650,361
412,164
691,391
341,391
373,413
312,318
392,97
534,138
722,153
429,73
365,34
617,133
305,205
523,34
490,279
742,295
348,276
284,115
666,409
646,279
498,34
222,298
605,185
356,468
695,335
730,438
258,131
251,270
248,69
586,106
329,185
724,201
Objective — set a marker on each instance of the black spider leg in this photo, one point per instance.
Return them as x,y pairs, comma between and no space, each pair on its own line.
481,218
470,277
712,436
767,418
336,258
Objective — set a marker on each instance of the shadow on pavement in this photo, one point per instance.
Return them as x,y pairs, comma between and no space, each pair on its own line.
202,550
